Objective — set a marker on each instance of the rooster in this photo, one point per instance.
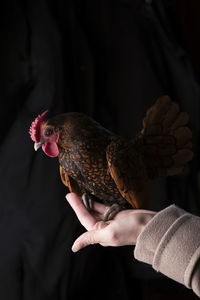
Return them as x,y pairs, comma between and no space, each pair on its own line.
95,162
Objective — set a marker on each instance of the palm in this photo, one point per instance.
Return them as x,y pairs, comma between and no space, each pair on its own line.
122,230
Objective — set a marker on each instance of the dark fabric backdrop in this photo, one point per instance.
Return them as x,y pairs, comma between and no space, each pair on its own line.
111,60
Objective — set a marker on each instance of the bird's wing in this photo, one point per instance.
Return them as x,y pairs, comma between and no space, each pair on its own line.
69,182
127,169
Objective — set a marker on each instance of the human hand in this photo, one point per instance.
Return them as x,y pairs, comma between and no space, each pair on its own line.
122,230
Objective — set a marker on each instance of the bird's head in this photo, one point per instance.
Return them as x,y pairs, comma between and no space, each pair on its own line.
45,135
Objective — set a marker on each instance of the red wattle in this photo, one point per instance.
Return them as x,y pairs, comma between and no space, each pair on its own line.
50,149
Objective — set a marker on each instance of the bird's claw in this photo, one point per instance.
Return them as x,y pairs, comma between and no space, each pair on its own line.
111,212
87,201
108,214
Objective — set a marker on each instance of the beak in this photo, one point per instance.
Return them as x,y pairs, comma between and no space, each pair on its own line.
37,146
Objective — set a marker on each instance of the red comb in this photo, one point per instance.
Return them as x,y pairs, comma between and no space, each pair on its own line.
35,127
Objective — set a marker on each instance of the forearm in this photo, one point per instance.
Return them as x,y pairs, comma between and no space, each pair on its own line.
171,244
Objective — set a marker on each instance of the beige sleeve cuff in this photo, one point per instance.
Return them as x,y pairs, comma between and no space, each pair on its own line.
170,242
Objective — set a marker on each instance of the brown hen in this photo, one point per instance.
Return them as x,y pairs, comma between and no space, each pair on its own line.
96,162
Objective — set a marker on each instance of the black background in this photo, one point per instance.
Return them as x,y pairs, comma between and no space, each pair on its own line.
111,60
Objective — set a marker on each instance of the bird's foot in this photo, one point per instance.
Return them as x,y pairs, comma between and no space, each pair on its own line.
87,201
108,214
111,212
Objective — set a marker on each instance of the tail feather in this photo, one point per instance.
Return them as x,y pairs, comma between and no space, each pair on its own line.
165,140
181,120
170,116
182,135
156,112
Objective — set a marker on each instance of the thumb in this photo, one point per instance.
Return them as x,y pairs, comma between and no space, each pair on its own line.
87,238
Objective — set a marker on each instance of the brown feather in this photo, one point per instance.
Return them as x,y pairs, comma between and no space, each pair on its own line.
69,182
170,117
127,169
165,140
115,170
182,120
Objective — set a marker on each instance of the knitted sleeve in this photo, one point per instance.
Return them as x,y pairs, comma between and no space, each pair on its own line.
170,242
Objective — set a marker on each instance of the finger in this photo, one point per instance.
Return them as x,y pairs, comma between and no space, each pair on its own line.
84,216
144,211
89,238
99,207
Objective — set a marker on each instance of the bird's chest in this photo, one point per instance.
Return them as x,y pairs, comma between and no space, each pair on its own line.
90,170
69,164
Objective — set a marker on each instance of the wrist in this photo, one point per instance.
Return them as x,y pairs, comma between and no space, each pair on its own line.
143,220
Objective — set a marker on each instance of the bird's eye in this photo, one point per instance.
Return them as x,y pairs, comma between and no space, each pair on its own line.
48,132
